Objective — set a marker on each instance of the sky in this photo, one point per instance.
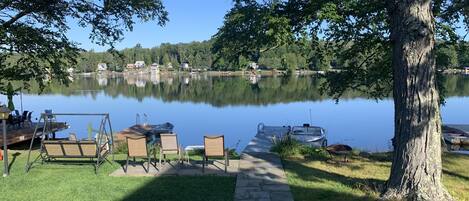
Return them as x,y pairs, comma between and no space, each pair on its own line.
189,21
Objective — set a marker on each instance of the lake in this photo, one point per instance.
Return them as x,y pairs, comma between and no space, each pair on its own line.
200,104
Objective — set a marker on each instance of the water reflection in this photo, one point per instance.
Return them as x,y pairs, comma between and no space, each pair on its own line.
199,104
217,90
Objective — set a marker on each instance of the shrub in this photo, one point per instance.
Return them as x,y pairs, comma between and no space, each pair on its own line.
287,147
318,154
120,148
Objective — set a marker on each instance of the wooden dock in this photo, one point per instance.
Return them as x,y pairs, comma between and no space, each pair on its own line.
25,133
139,130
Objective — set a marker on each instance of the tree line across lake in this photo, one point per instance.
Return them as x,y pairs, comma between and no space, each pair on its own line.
202,55
220,91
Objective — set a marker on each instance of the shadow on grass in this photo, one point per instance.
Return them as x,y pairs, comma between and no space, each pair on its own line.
301,193
323,188
15,155
456,175
195,188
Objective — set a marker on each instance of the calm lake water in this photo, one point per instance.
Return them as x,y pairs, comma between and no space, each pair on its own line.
200,104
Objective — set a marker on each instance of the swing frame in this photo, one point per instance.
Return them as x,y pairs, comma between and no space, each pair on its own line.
47,130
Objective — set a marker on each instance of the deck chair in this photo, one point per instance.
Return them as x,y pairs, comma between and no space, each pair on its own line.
214,146
169,145
137,148
24,117
12,121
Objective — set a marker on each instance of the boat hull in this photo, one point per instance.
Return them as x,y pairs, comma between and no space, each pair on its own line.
456,134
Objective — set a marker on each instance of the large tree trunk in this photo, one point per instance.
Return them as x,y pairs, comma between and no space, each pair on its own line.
416,166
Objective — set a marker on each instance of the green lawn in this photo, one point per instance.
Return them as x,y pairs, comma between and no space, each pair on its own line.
79,182
362,178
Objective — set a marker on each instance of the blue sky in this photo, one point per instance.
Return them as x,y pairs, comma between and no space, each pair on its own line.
188,21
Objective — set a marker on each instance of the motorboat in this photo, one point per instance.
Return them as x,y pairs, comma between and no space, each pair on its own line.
310,135
456,134
163,128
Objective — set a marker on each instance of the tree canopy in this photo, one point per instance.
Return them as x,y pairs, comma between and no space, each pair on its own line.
33,40
250,28
289,56
357,33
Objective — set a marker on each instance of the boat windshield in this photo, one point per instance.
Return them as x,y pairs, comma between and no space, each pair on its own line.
307,131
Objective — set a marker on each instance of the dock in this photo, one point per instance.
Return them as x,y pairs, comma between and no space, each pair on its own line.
139,130
17,135
261,175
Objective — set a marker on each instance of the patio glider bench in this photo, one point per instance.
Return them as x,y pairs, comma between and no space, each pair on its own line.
70,149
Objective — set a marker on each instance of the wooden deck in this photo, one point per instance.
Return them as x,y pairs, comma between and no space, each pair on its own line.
25,133
134,131
139,130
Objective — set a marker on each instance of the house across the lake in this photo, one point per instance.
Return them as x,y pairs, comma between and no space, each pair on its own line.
155,67
130,66
253,66
466,70
185,65
71,70
102,67
139,64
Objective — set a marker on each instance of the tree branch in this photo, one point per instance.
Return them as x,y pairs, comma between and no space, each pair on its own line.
15,18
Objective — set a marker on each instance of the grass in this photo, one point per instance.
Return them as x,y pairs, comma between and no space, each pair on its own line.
79,182
362,177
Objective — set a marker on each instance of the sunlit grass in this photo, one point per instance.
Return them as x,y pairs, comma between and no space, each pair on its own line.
79,182
362,178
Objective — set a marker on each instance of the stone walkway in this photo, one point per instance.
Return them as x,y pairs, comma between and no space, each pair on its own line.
261,176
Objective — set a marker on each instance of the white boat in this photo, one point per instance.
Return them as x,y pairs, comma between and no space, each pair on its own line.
310,135
456,134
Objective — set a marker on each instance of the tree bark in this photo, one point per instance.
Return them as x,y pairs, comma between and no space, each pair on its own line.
416,166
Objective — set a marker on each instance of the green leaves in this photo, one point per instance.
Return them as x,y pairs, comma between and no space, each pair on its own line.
33,43
249,29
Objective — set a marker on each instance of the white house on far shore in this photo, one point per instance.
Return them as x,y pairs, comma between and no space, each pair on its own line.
253,66
139,64
185,65
71,70
155,67
102,67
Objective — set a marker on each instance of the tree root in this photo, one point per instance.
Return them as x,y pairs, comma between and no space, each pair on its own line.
423,194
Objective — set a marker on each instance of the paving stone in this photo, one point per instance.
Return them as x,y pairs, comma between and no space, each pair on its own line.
259,195
281,196
247,190
276,187
248,182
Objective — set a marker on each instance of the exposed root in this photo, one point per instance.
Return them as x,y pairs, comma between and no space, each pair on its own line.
423,194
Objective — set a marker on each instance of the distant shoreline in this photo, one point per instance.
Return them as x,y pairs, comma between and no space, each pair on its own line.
233,73
211,73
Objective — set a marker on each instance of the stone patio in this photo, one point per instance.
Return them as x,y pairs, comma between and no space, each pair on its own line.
175,169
